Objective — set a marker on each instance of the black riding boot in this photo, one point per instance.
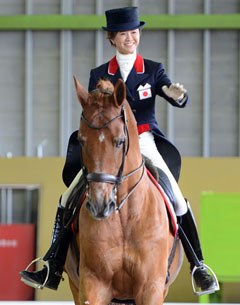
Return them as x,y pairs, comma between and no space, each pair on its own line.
51,274
206,282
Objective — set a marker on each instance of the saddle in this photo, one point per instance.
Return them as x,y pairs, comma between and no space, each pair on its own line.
161,181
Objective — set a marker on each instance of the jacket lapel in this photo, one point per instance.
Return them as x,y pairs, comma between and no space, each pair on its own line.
135,77
113,70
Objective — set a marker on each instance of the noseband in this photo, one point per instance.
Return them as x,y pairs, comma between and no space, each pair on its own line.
109,178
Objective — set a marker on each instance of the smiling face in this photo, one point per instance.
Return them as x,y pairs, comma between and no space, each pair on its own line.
126,42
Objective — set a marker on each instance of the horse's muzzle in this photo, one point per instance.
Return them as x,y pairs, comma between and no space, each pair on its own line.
102,211
101,200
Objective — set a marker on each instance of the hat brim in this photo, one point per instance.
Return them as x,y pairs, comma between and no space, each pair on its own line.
123,27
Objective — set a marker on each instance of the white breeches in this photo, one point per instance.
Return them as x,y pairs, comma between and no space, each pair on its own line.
68,191
149,149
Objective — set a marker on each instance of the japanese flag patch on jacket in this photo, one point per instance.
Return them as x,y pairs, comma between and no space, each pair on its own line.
144,91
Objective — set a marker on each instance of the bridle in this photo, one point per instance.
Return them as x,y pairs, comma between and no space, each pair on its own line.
109,178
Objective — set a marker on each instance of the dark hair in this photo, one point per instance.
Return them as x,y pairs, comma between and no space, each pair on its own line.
110,36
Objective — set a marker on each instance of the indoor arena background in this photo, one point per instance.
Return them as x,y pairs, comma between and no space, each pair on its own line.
43,43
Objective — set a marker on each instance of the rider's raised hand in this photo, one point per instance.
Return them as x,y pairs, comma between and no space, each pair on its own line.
175,91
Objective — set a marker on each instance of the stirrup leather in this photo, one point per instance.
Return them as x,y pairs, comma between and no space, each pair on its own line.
198,290
33,284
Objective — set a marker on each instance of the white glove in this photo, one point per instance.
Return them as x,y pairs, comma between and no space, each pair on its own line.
175,91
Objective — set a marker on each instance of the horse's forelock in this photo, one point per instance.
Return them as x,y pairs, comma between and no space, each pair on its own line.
105,85
102,96
98,99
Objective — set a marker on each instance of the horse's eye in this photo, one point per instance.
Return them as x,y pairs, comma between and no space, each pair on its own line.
119,142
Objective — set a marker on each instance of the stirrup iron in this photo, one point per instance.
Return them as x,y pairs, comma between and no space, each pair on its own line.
37,285
197,291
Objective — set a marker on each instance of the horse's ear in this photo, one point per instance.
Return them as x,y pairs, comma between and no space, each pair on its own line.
81,91
120,92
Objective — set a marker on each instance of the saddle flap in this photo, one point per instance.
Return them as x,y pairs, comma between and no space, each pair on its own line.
168,204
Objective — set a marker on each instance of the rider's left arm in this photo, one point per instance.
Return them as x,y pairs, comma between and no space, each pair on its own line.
177,92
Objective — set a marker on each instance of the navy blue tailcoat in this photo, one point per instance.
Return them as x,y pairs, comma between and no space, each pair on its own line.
144,82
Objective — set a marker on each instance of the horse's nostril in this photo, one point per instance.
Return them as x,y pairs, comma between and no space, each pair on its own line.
109,209
112,206
90,208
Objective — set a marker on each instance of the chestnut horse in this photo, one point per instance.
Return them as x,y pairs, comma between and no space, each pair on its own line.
125,240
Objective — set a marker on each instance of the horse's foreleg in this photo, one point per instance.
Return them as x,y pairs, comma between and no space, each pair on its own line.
74,291
165,292
73,277
152,293
94,291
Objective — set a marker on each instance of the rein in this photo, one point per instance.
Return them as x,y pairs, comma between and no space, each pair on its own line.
109,178
123,201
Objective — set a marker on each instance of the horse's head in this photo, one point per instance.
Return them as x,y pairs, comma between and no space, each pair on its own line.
103,137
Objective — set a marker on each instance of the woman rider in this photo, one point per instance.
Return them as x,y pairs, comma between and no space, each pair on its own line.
144,80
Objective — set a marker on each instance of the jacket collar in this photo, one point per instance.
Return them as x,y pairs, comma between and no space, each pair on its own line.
138,65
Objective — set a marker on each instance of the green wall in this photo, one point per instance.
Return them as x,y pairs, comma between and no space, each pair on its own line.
95,22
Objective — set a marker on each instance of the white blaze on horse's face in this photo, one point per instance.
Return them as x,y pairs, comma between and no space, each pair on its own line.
101,137
98,166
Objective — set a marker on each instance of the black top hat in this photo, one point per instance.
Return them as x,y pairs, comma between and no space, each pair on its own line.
123,19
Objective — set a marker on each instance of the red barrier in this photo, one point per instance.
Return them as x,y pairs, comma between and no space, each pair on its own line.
17,250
